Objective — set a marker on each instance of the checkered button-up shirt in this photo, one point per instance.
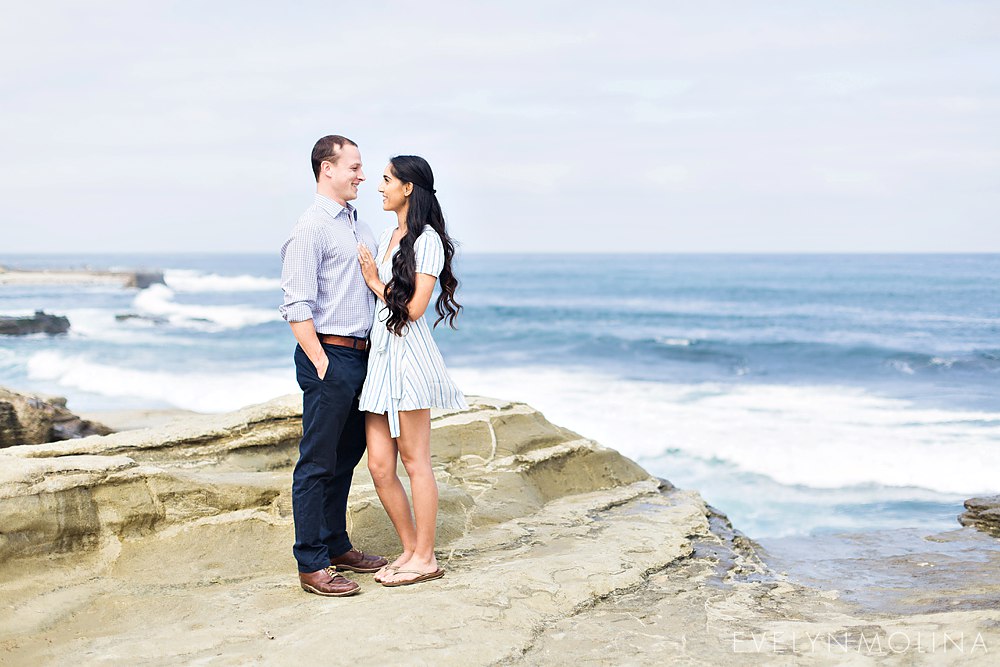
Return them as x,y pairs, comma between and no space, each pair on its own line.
320,275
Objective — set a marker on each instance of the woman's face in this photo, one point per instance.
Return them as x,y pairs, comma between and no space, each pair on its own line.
394,191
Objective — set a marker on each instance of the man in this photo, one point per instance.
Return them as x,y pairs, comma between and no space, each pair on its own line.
330,310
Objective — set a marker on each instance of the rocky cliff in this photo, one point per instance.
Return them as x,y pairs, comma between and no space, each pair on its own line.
173,546
27,419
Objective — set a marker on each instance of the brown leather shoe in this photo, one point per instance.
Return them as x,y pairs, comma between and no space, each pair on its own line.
327,582
356,560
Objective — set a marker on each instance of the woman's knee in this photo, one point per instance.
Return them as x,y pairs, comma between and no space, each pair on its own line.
382,471
417,466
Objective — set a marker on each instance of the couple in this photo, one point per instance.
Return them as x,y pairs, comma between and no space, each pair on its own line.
367,364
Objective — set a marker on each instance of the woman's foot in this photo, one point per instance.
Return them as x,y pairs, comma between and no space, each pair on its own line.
391,568
412,572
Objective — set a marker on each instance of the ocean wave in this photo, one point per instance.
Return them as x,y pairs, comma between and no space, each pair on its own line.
817,436
98,324
158,301
198,390
674,342
188,281
762,507
859,350
749,309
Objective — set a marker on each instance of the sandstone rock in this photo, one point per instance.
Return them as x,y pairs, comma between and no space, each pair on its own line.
173,546
982,514
27,419
40,322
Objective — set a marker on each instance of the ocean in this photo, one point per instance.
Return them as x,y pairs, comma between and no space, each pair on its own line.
799,394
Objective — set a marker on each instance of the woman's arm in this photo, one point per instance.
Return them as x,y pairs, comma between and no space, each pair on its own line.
422,293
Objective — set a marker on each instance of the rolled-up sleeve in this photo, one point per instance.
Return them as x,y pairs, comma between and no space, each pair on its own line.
300,259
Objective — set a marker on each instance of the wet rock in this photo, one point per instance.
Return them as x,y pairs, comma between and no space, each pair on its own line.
125,317
982,514
143,279
40,322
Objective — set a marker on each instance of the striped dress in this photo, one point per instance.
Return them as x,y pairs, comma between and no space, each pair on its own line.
407,372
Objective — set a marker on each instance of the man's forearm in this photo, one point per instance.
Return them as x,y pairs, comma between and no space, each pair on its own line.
305,334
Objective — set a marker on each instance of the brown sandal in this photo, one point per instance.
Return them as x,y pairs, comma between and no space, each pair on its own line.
421,577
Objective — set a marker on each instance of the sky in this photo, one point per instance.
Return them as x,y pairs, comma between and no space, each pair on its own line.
747,126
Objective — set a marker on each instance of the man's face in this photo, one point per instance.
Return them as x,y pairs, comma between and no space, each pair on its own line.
346,174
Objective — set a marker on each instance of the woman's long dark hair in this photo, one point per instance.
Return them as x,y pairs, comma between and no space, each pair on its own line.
424,209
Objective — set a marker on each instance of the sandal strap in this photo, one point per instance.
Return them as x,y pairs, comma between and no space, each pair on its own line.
416,572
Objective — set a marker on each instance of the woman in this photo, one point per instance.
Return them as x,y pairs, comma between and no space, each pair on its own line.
406,375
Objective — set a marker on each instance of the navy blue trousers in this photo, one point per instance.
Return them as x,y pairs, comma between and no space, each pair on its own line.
333,441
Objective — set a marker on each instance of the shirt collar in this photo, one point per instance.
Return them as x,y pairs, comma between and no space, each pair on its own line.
333,208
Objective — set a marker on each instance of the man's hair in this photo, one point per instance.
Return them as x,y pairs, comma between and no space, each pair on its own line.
328,149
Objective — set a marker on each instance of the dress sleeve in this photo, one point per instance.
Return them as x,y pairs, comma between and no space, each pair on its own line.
429,253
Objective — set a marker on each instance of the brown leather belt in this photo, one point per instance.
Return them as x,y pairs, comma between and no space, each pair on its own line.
344,341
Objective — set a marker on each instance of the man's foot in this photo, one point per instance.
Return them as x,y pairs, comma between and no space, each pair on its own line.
356,560
328,583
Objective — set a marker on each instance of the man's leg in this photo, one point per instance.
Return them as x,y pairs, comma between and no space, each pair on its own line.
323,419
350,449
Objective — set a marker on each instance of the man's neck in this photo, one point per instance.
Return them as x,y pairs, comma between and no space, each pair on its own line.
320,190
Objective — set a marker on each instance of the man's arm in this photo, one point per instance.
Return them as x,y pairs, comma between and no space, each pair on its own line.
300,261
305,333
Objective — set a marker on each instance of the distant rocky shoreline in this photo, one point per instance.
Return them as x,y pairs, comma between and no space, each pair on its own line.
557,551
134,279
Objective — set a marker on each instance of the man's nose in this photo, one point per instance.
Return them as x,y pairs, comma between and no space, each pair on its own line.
361,174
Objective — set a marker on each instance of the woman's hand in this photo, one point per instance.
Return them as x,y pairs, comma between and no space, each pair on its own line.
370,271
368,268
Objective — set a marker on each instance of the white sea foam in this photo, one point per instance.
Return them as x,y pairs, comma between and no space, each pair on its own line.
818,436
196,390
185,280
98,324
158,301
674,342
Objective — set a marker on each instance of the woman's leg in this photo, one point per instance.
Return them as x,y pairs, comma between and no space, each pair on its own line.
382,466
414,443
